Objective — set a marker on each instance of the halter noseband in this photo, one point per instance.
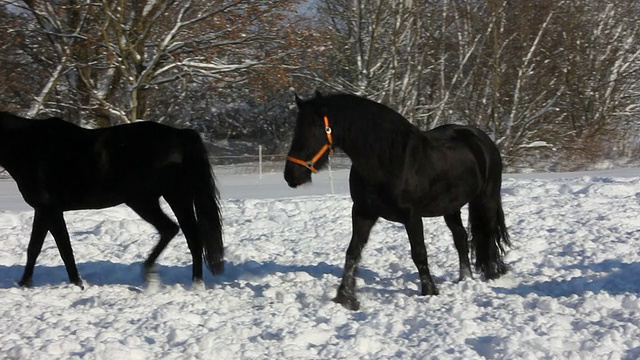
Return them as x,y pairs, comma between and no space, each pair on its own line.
328,146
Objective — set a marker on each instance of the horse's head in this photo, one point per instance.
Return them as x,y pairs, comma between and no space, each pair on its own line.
312,142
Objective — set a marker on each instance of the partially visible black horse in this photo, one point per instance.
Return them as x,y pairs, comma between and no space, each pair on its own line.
59,166
402,174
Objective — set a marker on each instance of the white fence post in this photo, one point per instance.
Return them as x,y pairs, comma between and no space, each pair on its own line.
331,176
260,159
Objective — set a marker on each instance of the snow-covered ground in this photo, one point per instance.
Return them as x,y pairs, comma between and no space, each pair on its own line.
573,292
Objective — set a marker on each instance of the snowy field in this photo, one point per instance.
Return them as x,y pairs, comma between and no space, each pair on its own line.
573,292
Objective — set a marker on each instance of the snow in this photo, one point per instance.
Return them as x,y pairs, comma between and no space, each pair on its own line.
573,292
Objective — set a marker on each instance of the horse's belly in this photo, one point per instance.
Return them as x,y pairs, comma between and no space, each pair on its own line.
443,203
79,195
89,201
94,203
434,210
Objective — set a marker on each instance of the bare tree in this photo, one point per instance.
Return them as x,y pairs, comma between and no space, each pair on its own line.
552,80
16,64
538,76
501,90
113,54
600,66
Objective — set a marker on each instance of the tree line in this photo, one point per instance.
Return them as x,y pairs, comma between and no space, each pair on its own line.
555,83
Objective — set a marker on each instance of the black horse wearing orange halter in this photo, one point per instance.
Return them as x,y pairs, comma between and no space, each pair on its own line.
402,174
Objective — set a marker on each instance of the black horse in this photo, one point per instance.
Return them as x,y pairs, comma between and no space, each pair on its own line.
402,174
59,166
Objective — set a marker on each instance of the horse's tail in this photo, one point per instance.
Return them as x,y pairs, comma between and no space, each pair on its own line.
206,201
489,234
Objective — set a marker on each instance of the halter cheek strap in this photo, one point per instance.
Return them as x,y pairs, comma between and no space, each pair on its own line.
326,147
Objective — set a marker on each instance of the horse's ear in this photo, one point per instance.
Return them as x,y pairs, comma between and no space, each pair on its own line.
298,100
318,94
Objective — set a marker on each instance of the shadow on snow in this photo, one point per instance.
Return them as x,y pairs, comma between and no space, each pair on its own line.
103,273
611,276
108,273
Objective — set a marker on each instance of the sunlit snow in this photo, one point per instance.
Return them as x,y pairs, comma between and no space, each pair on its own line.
573,291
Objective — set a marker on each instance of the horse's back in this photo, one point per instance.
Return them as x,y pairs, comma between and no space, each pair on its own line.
56,163
138,160
449,149
136,142
477,143
446,167
144,154
475,140
450,132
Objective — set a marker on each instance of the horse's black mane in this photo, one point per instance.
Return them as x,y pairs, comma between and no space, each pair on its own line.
369,126
363,114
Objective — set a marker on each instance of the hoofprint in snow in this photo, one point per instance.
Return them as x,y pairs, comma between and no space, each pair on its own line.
573,291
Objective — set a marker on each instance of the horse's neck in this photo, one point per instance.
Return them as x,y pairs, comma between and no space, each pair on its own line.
15,139
371,150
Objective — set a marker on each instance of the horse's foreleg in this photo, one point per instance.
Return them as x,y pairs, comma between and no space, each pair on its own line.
362,224
419,253
460,239
59,231
38,233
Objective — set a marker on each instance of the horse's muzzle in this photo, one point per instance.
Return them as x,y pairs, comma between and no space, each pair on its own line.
296,175
294,184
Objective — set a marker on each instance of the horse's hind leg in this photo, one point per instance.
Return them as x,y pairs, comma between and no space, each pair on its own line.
150,211
183,209
460,239
362,224
59,231
489,236
38,233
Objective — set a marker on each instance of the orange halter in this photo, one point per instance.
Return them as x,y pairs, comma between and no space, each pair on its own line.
328,146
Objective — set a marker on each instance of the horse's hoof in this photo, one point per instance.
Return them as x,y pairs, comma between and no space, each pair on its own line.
349,302
496,272
491,276
151,277
502,268
149,273
430,290
465,273
152,285
198,285
25,283
77,281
